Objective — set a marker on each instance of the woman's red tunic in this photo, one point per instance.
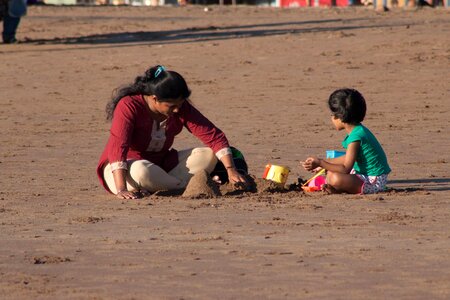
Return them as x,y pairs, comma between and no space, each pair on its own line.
131,129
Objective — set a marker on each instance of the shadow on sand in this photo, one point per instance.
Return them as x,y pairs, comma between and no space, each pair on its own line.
429,184
210,33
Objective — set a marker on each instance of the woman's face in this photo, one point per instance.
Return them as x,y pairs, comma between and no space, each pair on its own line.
168,107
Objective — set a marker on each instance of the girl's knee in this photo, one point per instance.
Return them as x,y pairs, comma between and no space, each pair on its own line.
347,183
332,178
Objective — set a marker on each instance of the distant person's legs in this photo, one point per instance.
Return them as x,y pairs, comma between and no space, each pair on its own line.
10,25
412,3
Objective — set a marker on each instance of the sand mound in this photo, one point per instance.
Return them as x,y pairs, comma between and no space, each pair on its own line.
256,186
231,189
201,186
268,186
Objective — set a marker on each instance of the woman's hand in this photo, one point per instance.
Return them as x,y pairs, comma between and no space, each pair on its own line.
311,163
124,194
234,177
144,193
237,179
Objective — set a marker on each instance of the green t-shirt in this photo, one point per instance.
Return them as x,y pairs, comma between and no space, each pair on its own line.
371,159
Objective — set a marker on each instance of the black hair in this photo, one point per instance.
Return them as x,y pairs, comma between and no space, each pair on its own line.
165,85
348,105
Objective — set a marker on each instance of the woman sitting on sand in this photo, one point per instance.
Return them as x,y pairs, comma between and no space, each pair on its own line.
146,116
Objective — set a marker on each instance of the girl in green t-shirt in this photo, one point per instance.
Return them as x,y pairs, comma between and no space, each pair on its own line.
364,167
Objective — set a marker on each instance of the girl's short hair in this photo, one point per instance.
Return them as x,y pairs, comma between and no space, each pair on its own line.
348,105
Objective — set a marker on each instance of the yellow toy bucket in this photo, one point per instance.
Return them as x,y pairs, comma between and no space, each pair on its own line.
277,174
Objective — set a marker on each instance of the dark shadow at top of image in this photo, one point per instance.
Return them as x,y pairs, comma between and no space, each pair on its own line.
80,18
200,34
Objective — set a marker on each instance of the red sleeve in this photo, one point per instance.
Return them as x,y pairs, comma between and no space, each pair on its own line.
121,132
202,128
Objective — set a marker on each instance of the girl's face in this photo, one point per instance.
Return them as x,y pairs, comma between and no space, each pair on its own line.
337,123
167,107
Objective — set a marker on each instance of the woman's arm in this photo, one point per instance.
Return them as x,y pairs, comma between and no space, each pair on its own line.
343,164
121,131
121,184
233,175
202,128
214,138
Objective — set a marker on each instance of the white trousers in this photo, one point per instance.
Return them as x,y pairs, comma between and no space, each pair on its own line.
143,174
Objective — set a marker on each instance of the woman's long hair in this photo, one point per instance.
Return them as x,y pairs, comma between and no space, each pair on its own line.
165,85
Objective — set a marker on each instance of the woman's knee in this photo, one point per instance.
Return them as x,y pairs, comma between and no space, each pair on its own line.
139,170
203,151
149,176
202,159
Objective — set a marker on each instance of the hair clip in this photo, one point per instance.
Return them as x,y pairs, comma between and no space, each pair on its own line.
159,70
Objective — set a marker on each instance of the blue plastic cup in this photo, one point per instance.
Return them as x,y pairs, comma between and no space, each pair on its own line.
334,153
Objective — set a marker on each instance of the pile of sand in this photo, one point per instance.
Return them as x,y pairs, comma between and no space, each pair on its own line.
264,186
255,186
201,186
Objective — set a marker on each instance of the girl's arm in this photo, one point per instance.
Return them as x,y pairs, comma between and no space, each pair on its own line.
343,164
337,160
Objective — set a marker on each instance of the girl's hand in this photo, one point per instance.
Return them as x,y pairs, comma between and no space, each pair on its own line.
311,163
317,170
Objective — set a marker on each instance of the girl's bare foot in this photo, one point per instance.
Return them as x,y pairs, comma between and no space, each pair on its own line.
329,189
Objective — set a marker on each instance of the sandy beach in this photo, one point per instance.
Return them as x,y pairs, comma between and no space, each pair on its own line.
262,75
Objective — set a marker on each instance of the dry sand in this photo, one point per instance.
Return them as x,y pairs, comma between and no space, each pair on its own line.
201,186
263,76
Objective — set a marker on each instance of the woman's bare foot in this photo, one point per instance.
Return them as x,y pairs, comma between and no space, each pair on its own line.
144,193
217,180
